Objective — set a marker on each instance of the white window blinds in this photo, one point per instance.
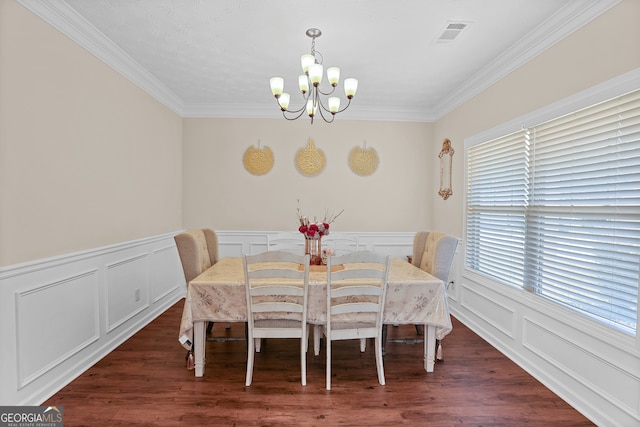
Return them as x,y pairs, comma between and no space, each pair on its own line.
497,198
566,219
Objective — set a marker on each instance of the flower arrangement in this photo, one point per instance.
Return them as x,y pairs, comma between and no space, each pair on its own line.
315,229
326,253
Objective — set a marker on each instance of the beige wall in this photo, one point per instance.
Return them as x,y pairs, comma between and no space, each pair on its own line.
607,47
86,158
220,193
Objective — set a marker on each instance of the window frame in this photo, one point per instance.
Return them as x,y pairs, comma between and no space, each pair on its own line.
603,92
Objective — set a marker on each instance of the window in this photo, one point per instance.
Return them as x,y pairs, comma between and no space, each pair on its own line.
555,209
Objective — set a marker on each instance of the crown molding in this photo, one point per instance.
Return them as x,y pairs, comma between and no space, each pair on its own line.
567,20
66,20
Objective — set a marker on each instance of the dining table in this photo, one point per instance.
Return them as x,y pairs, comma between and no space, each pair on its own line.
219,295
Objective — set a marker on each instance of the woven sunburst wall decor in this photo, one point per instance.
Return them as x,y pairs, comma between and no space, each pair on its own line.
309,160
363,161
258,161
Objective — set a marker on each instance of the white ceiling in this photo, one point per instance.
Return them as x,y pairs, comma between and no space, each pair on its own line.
214,58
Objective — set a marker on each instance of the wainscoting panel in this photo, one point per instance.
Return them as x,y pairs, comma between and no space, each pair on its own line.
61,315
490,308
604,376
127,289
397,245
593,367
166,272
42,323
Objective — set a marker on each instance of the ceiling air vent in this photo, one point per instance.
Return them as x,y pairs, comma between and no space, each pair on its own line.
451,31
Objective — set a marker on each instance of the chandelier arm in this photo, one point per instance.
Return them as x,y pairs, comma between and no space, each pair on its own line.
333,89
322,114
322,107
288,110
299,113
346,106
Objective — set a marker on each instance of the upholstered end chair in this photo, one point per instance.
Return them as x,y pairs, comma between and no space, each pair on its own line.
198,250
433,252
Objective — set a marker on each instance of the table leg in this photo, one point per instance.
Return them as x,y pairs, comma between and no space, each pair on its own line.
429,347
199,340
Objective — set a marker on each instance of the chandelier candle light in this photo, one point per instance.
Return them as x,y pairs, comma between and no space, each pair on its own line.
309,85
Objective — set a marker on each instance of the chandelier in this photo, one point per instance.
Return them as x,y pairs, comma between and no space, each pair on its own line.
309,85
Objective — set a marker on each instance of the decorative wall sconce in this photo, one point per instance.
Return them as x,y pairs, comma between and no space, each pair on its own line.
363,160
446,157
258,161
310,160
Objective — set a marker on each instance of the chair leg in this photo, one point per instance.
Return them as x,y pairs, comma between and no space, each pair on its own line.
384,339
316,339
379,361
328,368
250,358
304,343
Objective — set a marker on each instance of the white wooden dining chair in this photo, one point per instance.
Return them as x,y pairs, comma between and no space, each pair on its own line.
340,243
286,241
356,293
277,285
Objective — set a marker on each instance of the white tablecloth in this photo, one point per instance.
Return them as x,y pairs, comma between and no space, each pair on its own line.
218,294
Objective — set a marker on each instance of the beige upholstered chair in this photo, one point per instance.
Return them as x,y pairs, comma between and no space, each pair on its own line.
355,300
433,252
198,250
277,296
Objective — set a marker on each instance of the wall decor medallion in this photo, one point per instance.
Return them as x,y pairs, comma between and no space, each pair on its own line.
258,161
309,160
446,156
363,161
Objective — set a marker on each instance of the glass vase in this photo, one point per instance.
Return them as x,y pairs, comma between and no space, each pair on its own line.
313,247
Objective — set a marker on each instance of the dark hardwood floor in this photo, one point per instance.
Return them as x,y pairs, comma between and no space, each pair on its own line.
145,382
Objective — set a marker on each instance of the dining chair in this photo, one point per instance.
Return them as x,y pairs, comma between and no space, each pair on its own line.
286,241
198,250
277,286
433,252
356,290
340,243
